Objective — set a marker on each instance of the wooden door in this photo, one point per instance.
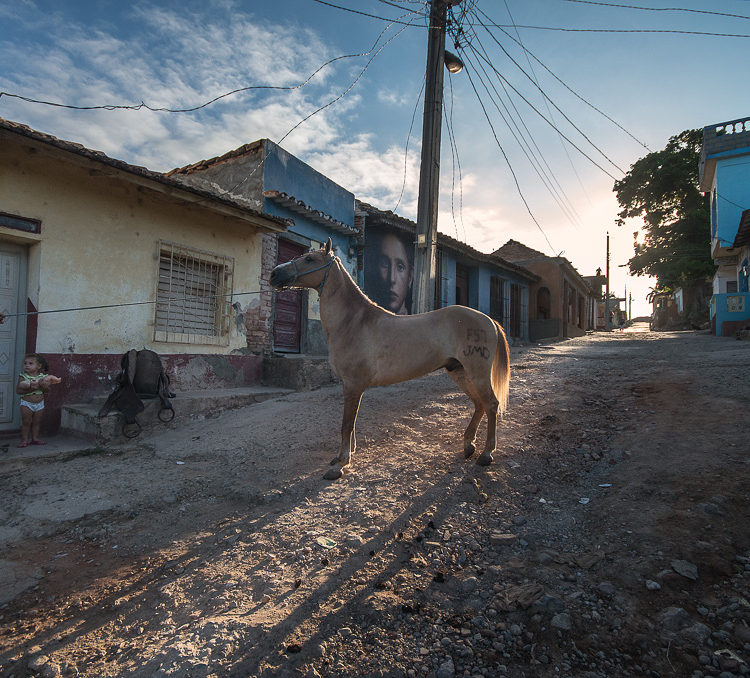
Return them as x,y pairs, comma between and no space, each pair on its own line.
287,316
12,264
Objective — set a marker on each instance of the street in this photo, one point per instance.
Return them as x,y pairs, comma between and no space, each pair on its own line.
609,538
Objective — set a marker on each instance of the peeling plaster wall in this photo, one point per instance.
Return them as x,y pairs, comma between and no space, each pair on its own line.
98,246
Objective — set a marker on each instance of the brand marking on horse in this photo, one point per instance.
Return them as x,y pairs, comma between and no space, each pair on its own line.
481,350
476,336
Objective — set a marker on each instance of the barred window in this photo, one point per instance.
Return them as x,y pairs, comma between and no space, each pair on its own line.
193,296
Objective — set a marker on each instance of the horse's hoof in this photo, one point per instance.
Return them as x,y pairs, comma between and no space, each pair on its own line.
334,473
469,449
485,459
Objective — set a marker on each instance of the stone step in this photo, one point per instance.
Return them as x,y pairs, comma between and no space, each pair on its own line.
82,420
298,371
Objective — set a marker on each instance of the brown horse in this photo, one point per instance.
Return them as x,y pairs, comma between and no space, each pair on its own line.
369,346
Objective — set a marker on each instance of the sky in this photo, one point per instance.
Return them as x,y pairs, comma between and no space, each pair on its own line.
558,98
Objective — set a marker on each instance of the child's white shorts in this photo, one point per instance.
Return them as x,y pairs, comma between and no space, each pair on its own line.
34,407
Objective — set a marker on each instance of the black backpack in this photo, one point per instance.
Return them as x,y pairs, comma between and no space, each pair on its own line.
141,377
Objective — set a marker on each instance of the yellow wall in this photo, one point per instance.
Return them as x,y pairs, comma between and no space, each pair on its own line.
98,245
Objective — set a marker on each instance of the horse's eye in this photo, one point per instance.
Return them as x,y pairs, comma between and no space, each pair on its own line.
308,259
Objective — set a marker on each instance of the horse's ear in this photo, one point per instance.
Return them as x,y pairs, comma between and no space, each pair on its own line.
329,246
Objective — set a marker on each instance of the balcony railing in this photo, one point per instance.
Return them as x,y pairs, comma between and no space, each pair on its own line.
726,136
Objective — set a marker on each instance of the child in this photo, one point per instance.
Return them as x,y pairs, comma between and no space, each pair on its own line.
33,383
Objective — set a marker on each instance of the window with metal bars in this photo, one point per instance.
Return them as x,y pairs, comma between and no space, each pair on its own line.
193,296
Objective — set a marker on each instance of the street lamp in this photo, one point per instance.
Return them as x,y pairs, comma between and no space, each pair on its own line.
452,62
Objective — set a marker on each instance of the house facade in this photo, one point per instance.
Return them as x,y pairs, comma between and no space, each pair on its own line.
100,257
561,301
597,284
277,183
463,276
724,173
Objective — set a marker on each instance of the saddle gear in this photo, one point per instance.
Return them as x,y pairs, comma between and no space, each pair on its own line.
141,377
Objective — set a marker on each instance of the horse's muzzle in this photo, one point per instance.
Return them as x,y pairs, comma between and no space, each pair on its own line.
281,276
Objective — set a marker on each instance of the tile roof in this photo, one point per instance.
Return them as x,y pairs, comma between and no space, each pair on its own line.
137,170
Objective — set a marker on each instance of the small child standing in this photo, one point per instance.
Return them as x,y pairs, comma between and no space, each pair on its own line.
33,383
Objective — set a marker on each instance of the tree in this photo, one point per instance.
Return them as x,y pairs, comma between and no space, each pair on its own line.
662,189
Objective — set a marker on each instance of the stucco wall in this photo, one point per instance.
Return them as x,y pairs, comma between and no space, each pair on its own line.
284,172
98,246
731,182
551,278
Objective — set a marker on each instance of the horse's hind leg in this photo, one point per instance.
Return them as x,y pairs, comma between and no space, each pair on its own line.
352,398
491,405
464,383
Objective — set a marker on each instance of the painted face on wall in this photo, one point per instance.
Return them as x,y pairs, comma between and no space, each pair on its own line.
395,272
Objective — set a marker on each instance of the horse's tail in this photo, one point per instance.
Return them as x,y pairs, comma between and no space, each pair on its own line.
501,368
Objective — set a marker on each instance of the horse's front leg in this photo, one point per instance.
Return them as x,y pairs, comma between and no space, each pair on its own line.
352,398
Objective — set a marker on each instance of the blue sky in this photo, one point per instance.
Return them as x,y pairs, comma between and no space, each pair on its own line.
182,54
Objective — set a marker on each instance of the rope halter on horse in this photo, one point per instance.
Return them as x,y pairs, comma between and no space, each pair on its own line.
326,266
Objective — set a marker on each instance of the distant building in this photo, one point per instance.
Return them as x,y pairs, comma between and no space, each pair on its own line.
725,174
597,284
562,303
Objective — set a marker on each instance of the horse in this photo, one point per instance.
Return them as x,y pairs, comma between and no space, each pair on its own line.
370,346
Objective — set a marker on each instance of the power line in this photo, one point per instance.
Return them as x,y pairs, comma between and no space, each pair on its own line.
456,160
570,213
143,105
623,30
371,16
660,9
546,104
408,138
522,142
544,94
534,108
562,82
507,161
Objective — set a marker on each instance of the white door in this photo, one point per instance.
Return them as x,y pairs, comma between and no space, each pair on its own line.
12,330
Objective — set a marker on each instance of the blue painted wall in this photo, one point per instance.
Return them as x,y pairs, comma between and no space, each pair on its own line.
479,281
721,312
732,181
284,172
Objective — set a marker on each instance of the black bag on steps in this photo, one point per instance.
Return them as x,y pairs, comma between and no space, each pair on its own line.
141,376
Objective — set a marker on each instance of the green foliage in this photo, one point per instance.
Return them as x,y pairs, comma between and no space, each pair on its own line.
661,188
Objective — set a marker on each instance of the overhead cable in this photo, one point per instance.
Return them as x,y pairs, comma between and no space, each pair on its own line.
507,161
660,9
563,83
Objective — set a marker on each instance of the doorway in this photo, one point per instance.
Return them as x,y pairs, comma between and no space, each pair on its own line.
13,266
287,316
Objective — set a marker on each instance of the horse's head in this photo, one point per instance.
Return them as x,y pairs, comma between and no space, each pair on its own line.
308,270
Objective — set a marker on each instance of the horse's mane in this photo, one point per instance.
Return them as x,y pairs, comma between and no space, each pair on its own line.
351,283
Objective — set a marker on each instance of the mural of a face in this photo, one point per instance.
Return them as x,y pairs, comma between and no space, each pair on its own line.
395,272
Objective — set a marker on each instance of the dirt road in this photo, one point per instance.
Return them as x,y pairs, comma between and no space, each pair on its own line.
610,538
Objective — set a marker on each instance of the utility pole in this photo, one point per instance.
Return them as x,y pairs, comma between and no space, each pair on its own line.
607,322
429,172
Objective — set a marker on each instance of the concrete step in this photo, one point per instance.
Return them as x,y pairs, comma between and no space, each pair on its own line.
298,371
82,421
